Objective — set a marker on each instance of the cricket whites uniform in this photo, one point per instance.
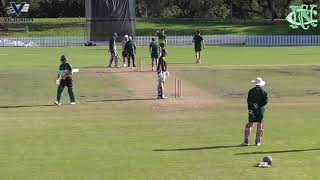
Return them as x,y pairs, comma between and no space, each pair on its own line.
130,48
66,80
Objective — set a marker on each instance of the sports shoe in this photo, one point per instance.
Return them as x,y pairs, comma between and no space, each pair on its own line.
73,103
245,144
57,103
258,143
163,97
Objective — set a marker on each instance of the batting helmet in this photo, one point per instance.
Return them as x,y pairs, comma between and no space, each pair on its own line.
267,159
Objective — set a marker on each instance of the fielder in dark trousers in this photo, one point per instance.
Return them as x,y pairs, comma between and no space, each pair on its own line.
198,46
162,74
130,48
124,53
154,49
64,79
257,100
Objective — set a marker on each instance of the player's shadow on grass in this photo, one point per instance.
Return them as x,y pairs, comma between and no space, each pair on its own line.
199,148
15,107
125,99
276,152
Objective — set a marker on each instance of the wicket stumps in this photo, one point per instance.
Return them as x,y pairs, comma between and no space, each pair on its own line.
178,88
139,67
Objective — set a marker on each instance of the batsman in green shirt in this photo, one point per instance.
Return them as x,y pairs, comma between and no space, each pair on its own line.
154,49
257,100
64,79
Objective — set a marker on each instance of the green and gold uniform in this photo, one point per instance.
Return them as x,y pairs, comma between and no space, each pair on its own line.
257,99
155,49
162,39
66,80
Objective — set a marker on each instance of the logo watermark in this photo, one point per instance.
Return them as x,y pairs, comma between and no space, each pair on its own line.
14,20
303,16
17,8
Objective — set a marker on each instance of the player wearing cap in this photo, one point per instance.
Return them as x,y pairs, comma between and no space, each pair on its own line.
113,50
64,79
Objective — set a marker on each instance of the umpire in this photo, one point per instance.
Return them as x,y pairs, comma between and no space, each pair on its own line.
131,48
257,100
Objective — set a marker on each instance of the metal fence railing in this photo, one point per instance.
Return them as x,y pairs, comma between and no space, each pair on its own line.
232,40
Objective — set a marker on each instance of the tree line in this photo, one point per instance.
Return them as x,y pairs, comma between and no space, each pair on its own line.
218,9
193,9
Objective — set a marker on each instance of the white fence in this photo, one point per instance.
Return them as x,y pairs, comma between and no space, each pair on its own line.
41,41
245,40
231,40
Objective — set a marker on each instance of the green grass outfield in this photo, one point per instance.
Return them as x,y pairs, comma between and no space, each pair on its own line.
98,139
147,27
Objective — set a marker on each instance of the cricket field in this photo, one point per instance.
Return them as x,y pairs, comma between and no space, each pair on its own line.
119,130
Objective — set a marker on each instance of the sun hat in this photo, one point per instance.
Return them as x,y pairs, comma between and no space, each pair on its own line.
259,82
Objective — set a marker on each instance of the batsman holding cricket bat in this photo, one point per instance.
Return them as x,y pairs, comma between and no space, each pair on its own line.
64,78
162,74
257,100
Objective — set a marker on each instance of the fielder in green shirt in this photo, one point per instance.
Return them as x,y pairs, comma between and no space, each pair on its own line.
198,46
64,79
256,101
154,49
